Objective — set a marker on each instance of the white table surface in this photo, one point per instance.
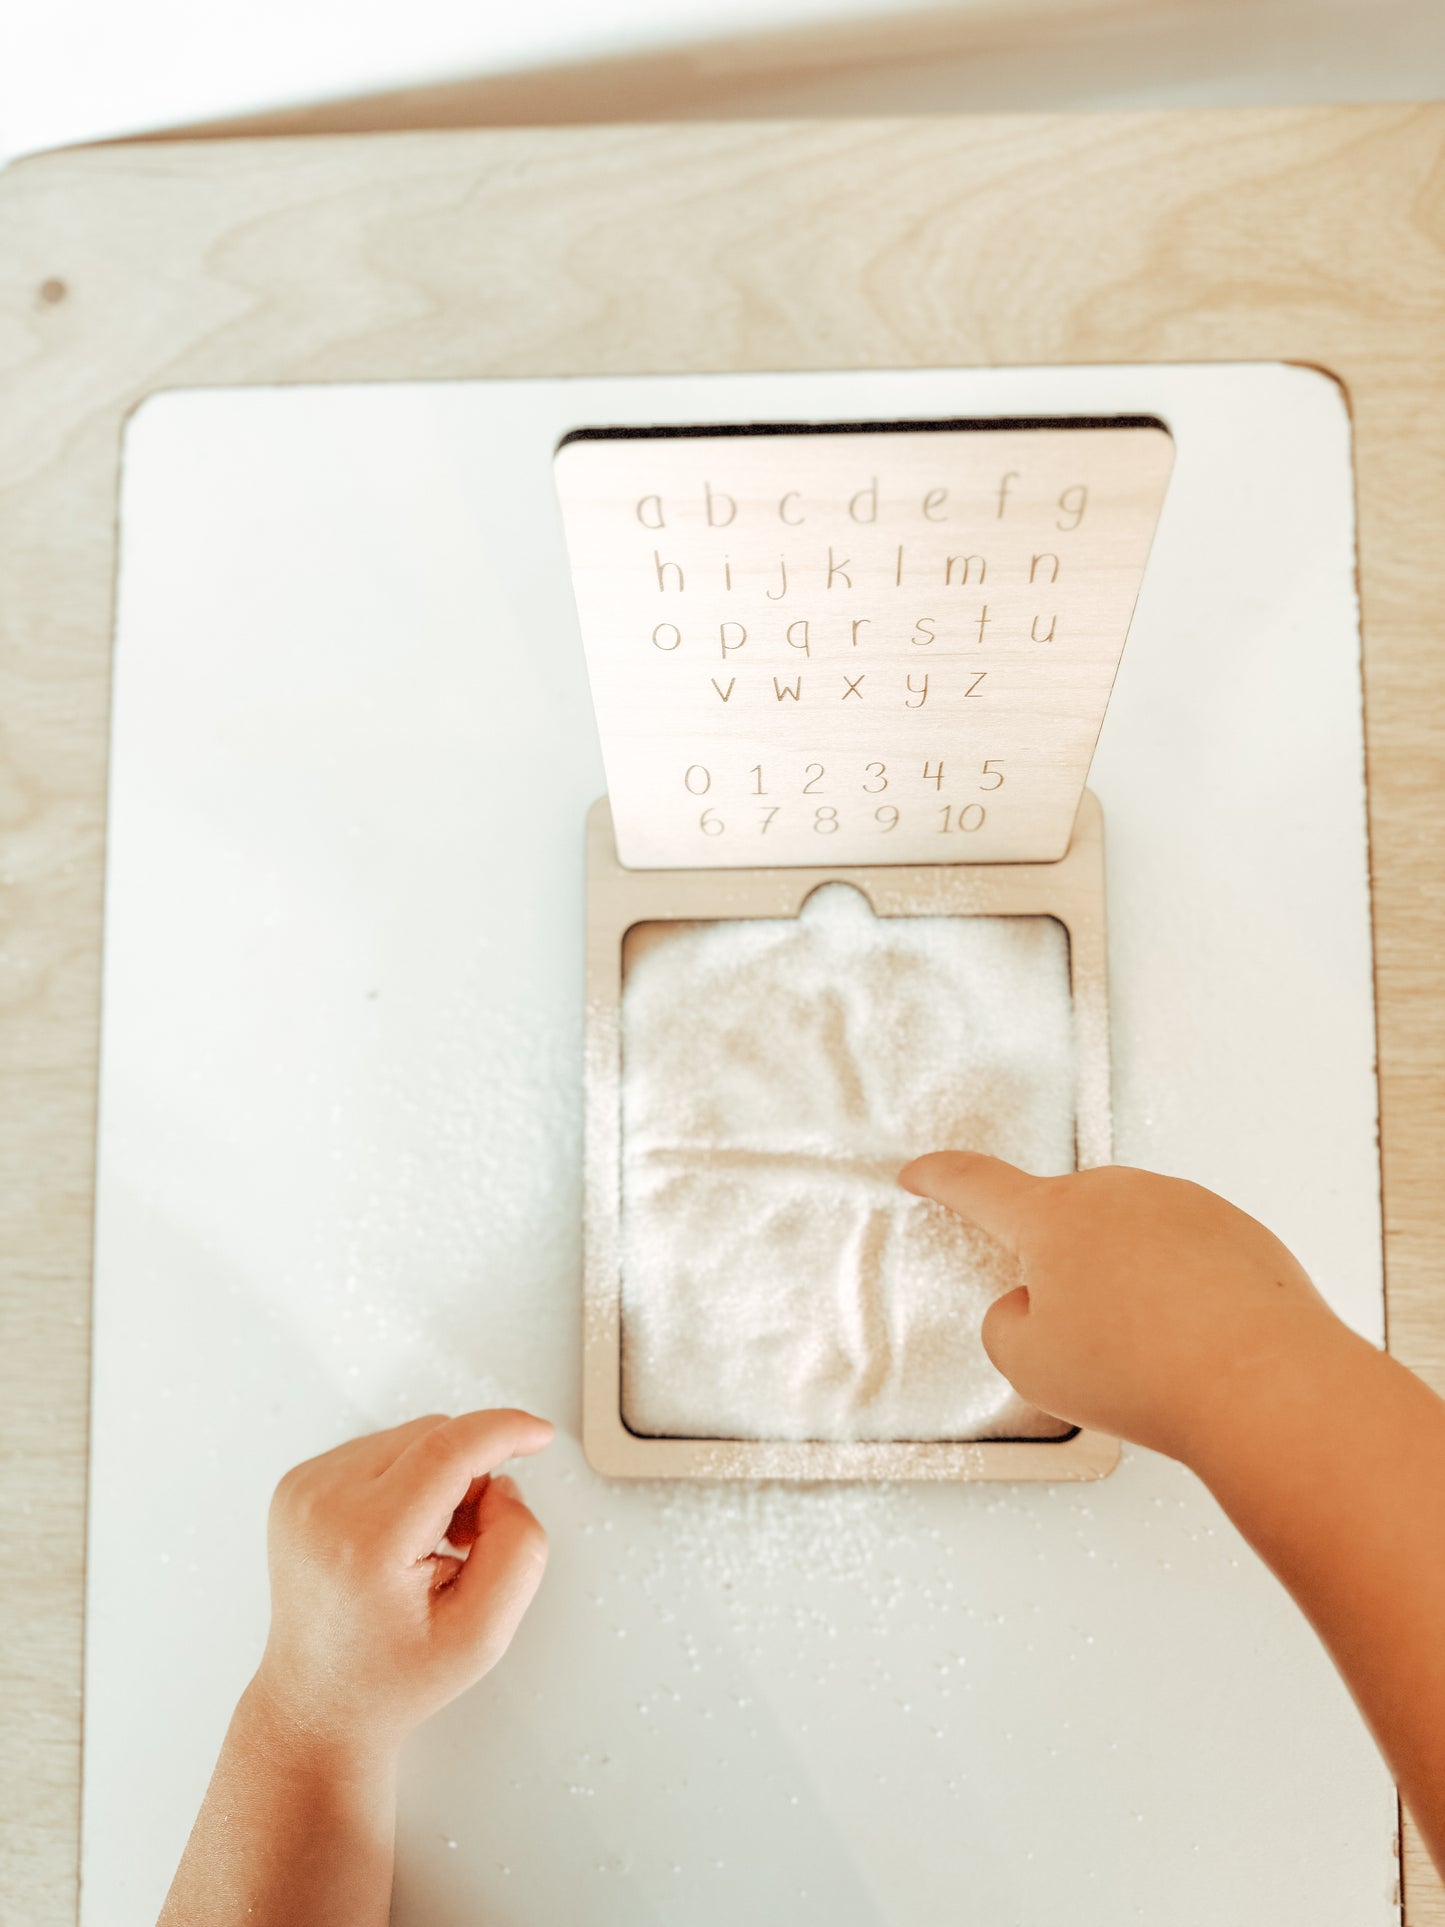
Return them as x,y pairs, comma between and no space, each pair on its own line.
340,1169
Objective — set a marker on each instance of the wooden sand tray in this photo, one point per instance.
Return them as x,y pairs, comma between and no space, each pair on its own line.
881,648
1071,890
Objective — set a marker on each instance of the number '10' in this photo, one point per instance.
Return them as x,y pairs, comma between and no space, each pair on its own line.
970,817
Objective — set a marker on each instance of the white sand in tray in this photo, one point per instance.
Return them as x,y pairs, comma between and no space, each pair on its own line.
776,1284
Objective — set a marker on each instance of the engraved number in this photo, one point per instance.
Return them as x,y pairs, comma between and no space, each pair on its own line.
710,823
995,770
825,820
930,775
879,771
756,772
814,774
887,815
969,818
768,815
696,788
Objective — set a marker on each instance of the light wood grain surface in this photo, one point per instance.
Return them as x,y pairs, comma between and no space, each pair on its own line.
1315,236
959,57
799,632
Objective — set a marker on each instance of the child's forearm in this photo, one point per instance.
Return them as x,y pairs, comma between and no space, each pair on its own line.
291,1830
1332,1465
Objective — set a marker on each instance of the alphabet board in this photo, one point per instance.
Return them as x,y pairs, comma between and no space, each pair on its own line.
854,643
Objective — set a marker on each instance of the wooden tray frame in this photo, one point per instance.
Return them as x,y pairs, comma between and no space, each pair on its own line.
1071,889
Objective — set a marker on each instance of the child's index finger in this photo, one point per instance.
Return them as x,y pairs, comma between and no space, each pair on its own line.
997,1197
433,1475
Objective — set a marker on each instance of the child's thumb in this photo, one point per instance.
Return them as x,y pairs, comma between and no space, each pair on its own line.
502,1572
1005,1329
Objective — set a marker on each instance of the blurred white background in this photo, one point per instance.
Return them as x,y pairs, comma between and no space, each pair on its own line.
78,70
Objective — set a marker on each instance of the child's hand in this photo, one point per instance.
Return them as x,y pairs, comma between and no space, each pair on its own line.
371,1630
1149,1307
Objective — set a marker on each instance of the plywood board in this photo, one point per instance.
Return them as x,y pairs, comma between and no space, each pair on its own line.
885,645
